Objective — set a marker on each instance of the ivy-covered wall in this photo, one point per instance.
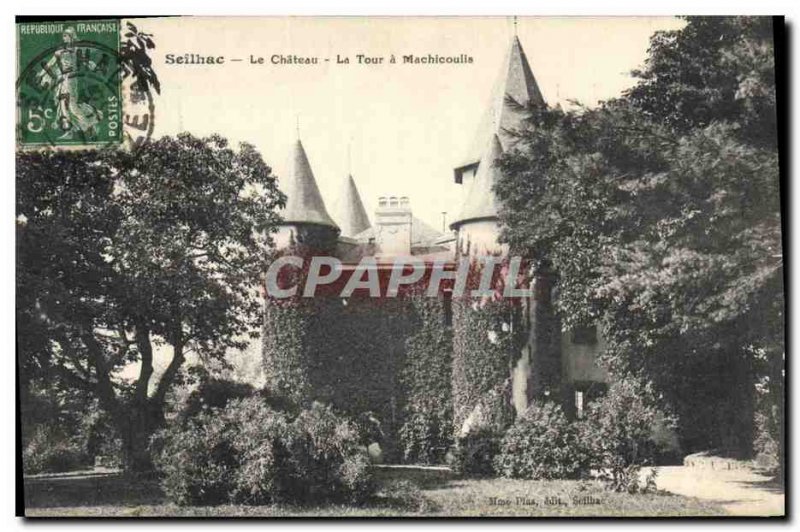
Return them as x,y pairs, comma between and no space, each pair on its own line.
484,351
399,361
361,356
427,430
389,358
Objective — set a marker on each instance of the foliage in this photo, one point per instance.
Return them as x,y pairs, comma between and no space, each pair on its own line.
659,213
767,450
213,392
330,463
249,453
286,346
64,429
136,61
482,357
427,430
714,69
384,362
475,452
485,348
123,254
197,459
542,444
49,450
348,353
618,434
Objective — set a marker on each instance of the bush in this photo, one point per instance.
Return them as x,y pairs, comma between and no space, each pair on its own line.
618,432
50,451
475,452
330,464
197,459
264,473
250,453
62,429
765,446
542,444
213,392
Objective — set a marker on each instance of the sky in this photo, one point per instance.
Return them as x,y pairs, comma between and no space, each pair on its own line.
398,128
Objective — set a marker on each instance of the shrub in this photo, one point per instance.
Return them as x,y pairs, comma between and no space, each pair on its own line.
264,472
50,451
426,435
197,460
250,453
765,446
213,392
618,432
57,427
542,444
475,452
331,465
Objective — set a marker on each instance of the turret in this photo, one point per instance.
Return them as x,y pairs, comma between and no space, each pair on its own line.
477,224
349,210
514,89
305,219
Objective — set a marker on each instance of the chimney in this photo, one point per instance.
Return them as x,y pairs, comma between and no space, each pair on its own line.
393,226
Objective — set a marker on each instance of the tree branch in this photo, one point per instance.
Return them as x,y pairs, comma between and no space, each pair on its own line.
164,384
104,387
146,352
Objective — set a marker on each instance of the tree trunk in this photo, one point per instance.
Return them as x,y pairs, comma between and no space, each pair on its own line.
136,430
137,420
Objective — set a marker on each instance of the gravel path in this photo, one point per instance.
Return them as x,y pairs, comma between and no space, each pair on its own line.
738,491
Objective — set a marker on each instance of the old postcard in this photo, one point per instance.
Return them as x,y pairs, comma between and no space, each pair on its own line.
400,266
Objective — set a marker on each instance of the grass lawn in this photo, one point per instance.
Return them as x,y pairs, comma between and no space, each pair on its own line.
105,496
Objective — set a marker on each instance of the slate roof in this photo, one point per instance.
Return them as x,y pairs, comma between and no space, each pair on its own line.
516,81
349,210
480,201
304,202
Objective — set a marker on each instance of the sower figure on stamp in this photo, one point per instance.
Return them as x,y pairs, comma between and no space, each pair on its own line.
71,113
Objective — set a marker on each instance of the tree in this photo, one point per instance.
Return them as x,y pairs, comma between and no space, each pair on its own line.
659,212
122,254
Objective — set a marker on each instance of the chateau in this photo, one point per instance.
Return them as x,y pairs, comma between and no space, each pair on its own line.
437,368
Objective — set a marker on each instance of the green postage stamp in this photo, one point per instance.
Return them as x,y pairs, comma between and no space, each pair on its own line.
70,85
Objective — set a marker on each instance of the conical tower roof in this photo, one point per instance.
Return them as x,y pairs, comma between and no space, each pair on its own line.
349,210
516,83
481,202
304,203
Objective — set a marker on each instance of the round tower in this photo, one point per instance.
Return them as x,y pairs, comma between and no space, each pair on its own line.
505,352
476,225
294,339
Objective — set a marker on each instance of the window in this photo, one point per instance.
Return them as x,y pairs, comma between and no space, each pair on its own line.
447,301
579,404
